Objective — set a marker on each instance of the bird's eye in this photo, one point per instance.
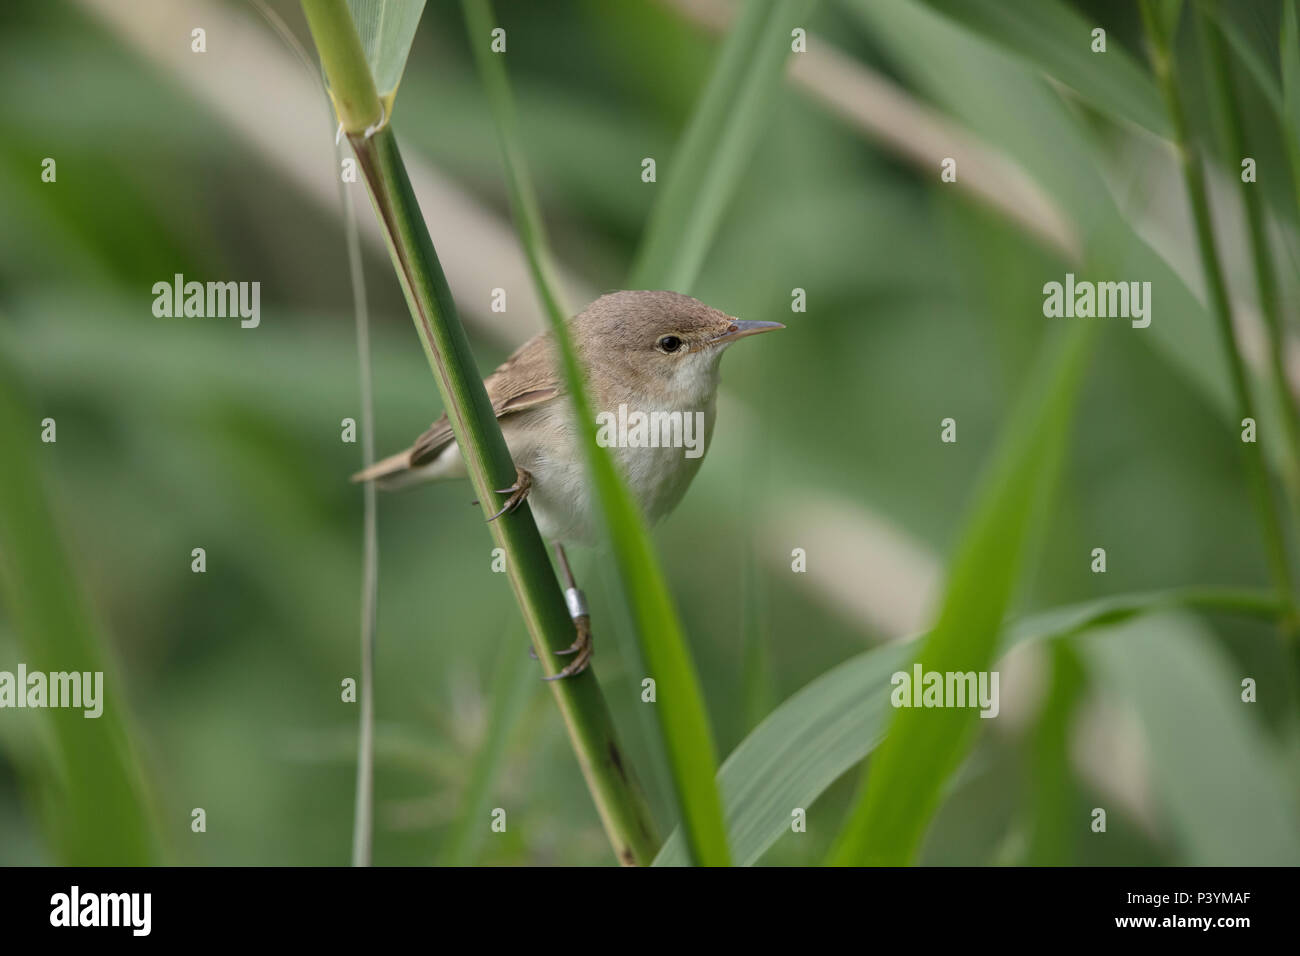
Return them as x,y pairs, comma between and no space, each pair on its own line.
669,343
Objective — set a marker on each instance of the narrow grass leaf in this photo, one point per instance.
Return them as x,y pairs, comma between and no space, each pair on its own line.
513,684
683,719
1282,98
617,797
363,819
756,658
98,811
924,746
822,731
1253,59
386,28
1233,138
1054,792
1160,31
705,169
1290,53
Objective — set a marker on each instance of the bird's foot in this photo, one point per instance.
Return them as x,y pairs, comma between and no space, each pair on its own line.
581,648
517,493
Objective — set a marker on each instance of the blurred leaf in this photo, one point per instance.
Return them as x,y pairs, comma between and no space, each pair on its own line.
1007,105
756,658
97,809
513,685
386,28
707,165
1053,38
1284,98
820,732
1232,137
798,751
1253,59
1166,13
924,746
1168,74
1290,52
1218,777
1053,787
683,718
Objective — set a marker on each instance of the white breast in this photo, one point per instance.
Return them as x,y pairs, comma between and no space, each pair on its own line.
542,441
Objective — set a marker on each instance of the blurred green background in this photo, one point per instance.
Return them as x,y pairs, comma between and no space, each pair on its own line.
924,302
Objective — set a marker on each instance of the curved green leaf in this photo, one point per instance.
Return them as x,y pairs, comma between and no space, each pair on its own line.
823,730
96,801
1053,38
1216,775
707,165
924,746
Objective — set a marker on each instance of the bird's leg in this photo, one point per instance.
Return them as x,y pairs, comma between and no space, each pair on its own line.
517,492
577,603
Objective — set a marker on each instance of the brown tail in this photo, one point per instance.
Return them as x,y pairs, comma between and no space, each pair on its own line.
392,465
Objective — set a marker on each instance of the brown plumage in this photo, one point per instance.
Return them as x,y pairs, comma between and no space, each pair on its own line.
622,341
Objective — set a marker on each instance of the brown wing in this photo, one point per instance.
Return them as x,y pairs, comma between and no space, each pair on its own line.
525,379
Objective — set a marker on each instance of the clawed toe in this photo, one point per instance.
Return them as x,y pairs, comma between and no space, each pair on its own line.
581,646
517,492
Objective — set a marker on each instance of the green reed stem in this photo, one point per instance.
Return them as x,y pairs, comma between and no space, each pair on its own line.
1234,138
618,799
1162,62
684,722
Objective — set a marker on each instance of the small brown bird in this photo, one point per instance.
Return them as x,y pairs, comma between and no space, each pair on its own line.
651,360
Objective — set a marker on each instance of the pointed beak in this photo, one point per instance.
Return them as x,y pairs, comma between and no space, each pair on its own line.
739,328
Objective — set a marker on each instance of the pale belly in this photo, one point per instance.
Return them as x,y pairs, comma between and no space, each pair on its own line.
542,443
561,500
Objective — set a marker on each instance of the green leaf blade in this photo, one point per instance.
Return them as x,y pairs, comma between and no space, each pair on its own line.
715,148
1221,785
924,746
820,732
1054,39
386,28
98,807
1290,54
683,718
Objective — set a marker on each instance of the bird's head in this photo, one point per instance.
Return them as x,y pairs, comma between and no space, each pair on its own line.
659,343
